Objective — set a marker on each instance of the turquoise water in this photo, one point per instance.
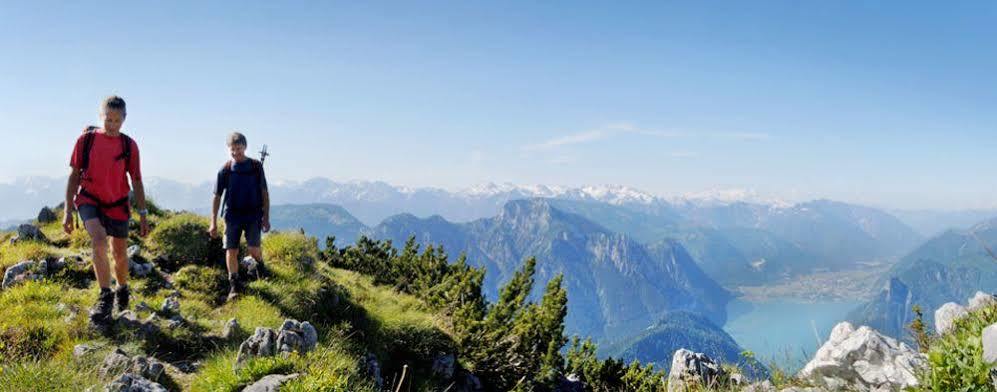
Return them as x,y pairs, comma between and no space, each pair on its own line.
784,331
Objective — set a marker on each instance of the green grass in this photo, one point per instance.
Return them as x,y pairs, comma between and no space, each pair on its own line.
956,359
11,254
47,376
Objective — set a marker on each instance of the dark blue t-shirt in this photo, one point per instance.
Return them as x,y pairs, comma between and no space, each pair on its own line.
242,187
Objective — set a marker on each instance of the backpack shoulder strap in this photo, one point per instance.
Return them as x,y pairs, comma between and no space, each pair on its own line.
89,134
126,148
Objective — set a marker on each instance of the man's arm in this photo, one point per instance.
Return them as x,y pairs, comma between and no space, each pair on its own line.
134,169
216,203
139,189
72,186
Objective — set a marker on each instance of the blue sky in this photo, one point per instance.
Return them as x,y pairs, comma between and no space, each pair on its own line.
887,103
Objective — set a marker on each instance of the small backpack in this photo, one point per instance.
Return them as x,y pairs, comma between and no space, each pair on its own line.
241,202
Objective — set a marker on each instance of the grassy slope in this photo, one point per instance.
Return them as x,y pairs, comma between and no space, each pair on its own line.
43,321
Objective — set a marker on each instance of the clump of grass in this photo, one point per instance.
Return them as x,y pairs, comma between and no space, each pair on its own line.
184,239
327,368
11,254
203,283
291,251
47,376
35,325
250,312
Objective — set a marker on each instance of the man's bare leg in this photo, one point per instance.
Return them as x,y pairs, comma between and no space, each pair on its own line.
232,263
119,248
98,243
256,252
101,312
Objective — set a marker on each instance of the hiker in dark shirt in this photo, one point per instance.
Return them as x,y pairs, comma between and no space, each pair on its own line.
242,186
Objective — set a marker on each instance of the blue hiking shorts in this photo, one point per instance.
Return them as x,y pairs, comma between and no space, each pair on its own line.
234,230
114,228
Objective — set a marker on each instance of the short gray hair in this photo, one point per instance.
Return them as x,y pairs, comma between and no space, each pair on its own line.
113,102
236,138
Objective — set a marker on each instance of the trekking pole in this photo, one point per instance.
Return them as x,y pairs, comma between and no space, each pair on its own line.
264,154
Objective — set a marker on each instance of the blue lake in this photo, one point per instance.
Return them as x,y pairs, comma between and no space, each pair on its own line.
785,332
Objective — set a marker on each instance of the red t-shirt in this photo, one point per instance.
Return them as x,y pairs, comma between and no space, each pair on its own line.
105,177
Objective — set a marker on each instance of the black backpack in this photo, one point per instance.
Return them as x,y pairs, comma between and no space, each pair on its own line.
256,172
90,133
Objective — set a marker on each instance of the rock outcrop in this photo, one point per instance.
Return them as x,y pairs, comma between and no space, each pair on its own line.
31,270
694,369
46,215
863,359
293,336
946,315
28,232
270,383
130,382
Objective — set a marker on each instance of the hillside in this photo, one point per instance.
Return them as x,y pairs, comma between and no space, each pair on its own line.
318,220
947,268
616,286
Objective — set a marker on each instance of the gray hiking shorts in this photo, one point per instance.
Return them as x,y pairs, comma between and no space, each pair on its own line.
114,228
234,230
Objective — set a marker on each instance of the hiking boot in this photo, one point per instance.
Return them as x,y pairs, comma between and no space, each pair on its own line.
121,299
234,287
100,313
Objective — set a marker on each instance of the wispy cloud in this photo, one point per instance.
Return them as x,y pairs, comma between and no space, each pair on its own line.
576,138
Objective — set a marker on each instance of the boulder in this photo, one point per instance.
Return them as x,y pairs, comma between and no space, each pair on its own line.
310,335
130,382
81,350
694,369
252,268
762,386
46,215
270,383
863,359
263,343
231,329
140,269
118,362
171,305
28,232
296,337
990,343
115,363
22,271
946,315
980,301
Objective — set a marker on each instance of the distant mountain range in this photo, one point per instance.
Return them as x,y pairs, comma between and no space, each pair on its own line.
950,267
736,242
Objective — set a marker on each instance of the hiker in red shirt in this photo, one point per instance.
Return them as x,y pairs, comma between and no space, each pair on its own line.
98,189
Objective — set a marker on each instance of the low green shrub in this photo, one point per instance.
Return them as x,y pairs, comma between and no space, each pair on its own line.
204,283
183,239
